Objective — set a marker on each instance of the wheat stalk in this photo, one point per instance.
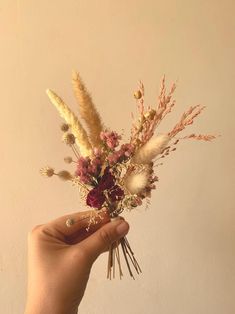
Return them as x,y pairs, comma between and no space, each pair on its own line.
77,129
87,109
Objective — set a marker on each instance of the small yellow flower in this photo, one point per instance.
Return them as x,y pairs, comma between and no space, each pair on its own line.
150,114
137,94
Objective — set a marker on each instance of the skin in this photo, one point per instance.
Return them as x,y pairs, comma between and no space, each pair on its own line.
60,260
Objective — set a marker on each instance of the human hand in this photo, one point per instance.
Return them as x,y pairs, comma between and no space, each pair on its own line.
60,260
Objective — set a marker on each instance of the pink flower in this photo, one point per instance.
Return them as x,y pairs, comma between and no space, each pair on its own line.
122,154
111,139
88,169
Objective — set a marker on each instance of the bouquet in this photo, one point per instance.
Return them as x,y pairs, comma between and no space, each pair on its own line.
115,176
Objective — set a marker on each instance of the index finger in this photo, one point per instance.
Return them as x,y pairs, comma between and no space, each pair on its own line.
83,224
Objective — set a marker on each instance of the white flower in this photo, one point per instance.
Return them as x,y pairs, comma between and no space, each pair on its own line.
136,182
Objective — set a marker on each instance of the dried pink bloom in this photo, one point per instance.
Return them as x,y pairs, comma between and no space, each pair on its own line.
88,169
111,139
125,152
97,152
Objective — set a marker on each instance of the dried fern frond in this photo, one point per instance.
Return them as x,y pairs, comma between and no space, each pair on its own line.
77,129
87,109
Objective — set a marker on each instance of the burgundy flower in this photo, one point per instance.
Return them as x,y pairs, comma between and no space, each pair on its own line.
116,193
95,198
107,181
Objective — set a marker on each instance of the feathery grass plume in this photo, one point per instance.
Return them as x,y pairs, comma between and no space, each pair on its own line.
87,109
186,119
151,149
200,137
77,129
137,182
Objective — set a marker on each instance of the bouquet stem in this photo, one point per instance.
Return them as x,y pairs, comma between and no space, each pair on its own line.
114,255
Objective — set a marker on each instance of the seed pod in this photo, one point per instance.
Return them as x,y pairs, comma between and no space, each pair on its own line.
64,127
137,94
68,160
152,113
69,138
65,175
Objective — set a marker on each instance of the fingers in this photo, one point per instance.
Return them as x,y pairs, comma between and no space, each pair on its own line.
100,241
77,231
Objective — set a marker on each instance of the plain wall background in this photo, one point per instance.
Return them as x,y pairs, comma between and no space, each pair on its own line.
185,241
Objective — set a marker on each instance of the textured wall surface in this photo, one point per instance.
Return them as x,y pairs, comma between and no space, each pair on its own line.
185,241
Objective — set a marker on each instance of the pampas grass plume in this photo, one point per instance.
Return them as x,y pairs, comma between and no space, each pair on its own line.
87,109
77,129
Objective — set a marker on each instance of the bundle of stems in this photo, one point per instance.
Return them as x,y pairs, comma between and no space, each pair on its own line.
114,256
114,252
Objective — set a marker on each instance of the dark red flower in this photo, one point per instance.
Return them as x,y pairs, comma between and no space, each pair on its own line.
107,181
116,193
95,198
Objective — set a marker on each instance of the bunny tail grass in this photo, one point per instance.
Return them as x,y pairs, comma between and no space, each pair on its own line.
151,149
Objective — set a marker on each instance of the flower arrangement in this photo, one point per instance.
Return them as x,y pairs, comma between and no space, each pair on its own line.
113,176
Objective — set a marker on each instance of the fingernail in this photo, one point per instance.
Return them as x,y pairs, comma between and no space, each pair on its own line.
122,228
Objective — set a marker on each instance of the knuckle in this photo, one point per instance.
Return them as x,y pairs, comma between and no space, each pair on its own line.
35,228
105,237
34,233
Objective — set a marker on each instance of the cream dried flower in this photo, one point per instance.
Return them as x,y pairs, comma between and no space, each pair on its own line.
47,171
137,182
151,149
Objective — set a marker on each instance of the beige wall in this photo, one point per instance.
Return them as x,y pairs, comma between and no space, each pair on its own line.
185,242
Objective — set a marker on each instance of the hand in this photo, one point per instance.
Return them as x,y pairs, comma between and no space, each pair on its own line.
60,259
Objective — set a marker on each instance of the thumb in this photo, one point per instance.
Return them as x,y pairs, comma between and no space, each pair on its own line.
100,241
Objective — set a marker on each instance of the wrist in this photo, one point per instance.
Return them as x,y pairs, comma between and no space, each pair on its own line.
37,307
48,304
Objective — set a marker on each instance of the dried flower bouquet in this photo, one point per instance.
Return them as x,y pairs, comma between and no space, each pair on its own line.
113,176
